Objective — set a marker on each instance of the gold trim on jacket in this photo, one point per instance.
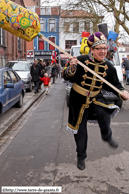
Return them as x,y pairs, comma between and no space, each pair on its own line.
83,91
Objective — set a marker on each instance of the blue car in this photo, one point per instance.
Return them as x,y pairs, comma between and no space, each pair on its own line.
12,89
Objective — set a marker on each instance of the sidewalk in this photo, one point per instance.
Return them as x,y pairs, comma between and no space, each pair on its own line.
10,116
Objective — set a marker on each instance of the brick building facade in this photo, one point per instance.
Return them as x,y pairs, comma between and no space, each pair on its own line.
12,47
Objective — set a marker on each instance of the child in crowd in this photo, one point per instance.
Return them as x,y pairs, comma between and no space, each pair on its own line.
46,79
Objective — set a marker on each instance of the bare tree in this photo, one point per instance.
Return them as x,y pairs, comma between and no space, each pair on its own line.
114,12
118,10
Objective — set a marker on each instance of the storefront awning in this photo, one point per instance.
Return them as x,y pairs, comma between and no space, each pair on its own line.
63,56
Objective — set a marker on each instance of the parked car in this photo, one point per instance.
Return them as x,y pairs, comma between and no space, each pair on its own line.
75,51
12,89
23,70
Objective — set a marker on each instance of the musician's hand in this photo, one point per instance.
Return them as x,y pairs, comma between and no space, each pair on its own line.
125,95
73,63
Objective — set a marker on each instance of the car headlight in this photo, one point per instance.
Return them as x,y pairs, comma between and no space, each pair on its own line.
25,79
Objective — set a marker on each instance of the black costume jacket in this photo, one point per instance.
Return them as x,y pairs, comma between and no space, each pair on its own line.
87,87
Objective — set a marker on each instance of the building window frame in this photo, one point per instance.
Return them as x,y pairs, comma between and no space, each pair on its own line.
43,26
69,43
75,27
45,10
87,26
52,25
19,44
66,27
2,37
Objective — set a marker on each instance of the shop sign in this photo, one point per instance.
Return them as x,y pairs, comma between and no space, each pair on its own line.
30,54
43,53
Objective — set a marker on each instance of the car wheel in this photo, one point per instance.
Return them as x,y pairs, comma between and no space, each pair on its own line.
19,104
119,103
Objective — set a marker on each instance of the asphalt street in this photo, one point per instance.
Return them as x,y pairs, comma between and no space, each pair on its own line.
42,153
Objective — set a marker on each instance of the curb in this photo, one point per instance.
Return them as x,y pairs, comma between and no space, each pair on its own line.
5,126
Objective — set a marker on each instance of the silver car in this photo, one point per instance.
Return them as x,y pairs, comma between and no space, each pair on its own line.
23,70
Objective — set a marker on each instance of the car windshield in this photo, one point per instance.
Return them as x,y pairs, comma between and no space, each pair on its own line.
19,66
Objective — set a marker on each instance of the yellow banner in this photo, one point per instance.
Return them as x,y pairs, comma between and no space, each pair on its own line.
18,20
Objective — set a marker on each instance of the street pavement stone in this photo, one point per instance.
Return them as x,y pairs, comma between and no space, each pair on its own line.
107,170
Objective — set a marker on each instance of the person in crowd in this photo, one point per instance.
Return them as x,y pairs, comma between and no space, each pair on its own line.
59,70
126,66
46,80
53,57
86,100
35,73
57,59
62,70
40,64
54,72
48,68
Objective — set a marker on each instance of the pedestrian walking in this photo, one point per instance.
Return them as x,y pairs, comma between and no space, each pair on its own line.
46,80
54,72
59,70
126,65
86,100
40,64
35,73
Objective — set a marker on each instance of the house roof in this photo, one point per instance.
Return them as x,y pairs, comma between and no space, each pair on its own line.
76,13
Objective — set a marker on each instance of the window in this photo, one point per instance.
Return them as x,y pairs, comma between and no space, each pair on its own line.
76,27
42,23
66,26
14,78
46,11
52,39
69,43
41,44
2,37
43,11
52,25
87,26
7,78
19,44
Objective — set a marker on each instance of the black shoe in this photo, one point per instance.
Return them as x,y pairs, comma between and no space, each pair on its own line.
113,143
81,164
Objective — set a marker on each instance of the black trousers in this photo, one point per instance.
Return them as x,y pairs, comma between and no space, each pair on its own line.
36,84
102,115
54,78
